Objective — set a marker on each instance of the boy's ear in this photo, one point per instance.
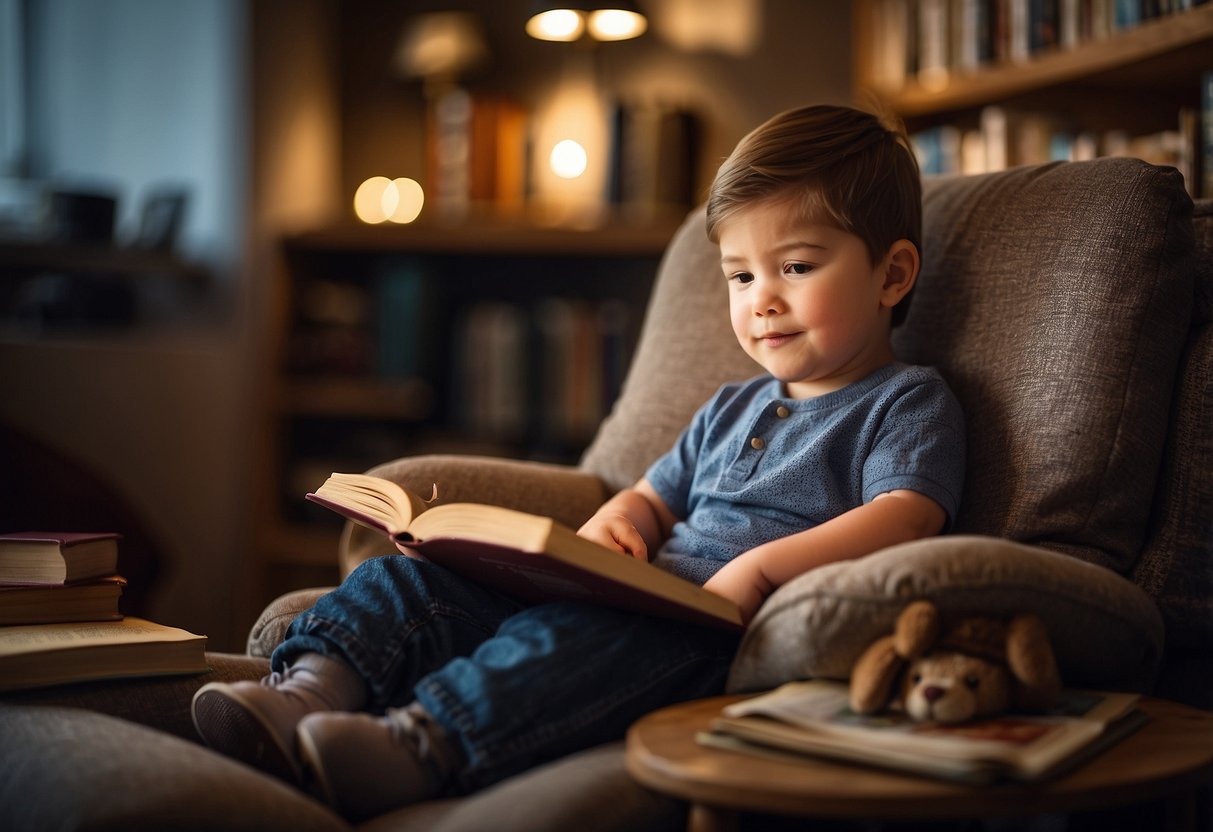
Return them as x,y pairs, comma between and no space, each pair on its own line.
900,264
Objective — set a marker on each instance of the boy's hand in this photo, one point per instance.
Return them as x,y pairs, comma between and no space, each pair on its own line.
616,532
743,583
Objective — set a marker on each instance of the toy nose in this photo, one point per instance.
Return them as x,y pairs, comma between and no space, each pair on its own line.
932,693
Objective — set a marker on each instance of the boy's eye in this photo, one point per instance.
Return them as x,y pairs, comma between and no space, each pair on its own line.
798,268
742,277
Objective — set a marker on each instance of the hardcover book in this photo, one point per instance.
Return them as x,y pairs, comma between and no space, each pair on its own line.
526,555
56,557
95,600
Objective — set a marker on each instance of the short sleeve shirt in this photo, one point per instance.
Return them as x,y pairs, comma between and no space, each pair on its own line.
755,465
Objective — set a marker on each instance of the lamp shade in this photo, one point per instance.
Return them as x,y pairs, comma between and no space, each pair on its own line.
568,21
438,44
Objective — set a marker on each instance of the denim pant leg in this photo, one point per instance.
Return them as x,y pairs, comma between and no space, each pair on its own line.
395,619
561,677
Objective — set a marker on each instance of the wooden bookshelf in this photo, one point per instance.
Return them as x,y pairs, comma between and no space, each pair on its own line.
1160,50
1135,79
316,422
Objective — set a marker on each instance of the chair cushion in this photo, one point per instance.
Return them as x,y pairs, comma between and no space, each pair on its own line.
1176,569
1056,300
71,769
1105,632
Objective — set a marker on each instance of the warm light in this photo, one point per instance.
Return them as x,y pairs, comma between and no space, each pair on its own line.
368,199
380,199
556,24
616,24
409,200
568,159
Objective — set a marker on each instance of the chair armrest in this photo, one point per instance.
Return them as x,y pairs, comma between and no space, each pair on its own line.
161,702
562,492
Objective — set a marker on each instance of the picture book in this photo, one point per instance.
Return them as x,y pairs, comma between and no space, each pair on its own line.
529,556
815,718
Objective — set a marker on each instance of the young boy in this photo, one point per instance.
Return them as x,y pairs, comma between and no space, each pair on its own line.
834,453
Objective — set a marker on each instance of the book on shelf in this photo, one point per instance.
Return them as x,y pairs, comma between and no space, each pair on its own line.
929,40
814,718
57,557
654,156
89,600
38,655
527,555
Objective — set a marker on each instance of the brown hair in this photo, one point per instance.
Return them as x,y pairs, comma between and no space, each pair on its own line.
841,165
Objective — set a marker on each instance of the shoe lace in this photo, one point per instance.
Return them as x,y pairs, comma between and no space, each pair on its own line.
413,727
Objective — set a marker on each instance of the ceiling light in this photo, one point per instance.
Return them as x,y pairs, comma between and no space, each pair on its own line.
569,21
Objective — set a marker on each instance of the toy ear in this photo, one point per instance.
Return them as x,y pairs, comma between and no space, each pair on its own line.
873,676
917,629
1031,661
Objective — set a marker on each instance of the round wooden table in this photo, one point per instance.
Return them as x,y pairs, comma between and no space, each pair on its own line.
1167,757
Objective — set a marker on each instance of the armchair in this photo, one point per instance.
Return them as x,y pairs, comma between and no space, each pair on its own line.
1069,306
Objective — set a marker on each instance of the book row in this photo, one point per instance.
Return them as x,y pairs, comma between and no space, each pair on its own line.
481,156
1005,137
927,40
508,368
552,369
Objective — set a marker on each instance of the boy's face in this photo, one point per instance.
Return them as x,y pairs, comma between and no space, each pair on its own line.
804,298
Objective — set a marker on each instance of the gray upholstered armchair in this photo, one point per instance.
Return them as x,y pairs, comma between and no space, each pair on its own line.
1069,306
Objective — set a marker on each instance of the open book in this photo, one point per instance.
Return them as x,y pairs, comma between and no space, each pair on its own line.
815,718
53,654
526,555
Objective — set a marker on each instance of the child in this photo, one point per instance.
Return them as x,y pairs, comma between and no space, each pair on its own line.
834,453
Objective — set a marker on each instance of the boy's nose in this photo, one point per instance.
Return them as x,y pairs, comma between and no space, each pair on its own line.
766,301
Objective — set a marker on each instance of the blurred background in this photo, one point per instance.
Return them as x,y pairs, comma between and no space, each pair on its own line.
246,243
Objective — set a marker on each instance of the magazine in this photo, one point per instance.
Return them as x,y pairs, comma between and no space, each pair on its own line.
815,718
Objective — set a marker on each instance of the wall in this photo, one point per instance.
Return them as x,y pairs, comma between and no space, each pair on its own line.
125,95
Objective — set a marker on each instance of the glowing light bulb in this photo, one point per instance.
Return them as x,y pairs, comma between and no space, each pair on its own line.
616,24
380,199
557,24
409,199
369,200
568,159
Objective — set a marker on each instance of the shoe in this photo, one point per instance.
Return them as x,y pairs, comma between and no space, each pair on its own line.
254,723
364,765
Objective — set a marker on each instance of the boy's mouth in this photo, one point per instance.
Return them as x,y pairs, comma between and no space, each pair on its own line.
775,339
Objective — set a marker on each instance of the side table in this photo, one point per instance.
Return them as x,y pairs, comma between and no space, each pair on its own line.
1170,756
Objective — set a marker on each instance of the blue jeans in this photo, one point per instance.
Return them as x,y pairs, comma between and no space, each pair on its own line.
514,685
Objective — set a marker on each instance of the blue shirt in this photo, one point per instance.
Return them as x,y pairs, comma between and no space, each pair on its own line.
754,465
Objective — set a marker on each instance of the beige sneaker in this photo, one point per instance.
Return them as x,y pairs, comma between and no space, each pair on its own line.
255,722
364,765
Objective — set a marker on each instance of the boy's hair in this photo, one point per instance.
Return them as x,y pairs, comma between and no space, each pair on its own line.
845,166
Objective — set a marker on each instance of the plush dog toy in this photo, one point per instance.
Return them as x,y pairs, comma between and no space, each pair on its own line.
975,667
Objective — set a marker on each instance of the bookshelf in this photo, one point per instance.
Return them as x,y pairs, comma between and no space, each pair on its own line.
374,353
1116,76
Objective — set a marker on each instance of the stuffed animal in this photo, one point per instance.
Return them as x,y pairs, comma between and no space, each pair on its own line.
976,667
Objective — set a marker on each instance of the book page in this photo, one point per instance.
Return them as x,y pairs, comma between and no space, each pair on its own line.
42,637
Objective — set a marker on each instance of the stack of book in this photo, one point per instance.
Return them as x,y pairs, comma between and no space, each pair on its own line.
60,620
52,577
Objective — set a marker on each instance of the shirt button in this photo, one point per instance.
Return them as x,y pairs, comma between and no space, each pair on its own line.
757,444
782,412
